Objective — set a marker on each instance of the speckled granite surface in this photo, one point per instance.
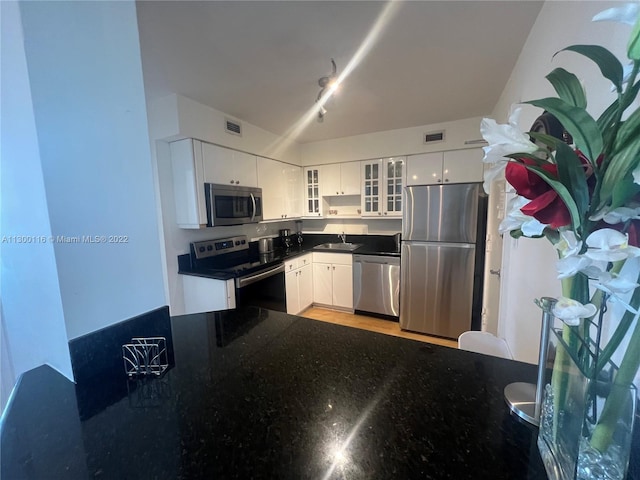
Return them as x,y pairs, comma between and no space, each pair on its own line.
256,394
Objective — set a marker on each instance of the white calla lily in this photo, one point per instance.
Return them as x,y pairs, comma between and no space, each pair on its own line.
609,245
627,14
515,219
504,139
492,173
636,175
570,311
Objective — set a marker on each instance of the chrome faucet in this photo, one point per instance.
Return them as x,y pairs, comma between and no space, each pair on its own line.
343,237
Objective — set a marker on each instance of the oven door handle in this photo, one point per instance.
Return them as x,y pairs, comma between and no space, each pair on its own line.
253,214
248,280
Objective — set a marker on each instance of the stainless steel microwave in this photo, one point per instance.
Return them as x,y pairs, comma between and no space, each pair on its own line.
232,205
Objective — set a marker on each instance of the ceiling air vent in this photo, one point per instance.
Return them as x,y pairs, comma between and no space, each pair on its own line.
233,127
431,137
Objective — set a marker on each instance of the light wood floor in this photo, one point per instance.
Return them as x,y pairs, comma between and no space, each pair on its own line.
372,324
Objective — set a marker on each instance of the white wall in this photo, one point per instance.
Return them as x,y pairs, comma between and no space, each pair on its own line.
528,269
86,83
32,322
391,143
176,116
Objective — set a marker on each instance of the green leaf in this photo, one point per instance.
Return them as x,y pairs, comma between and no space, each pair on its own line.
609,65
582,127
564,194
633,48
572,175
629,131
568,87
548,140
625,190
606,121
620,166
528,156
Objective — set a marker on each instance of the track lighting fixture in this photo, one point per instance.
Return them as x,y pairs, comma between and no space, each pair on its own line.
325,82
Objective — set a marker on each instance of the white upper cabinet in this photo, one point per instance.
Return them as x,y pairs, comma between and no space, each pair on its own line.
382,182
463,166
229,167
455,166
281,187
188,183
312,196
341,179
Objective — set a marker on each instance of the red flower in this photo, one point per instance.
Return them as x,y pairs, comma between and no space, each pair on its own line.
546,206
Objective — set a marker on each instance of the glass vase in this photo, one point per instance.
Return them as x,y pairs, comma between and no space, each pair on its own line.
573,408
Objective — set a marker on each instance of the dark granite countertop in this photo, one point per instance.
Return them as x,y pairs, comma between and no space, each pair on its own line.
369,245
255,394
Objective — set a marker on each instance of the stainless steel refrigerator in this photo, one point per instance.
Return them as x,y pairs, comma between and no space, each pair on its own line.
442,258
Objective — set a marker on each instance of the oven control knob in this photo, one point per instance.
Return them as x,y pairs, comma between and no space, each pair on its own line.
201,249
243,242
209,247
237,242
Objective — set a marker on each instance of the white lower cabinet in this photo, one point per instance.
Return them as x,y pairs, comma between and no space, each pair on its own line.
203,294
299,284
333,280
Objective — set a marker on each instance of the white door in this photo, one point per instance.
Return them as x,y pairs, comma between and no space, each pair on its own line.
292,176
330,180
218,163
322,284
350,178
424,169
305,286
291,291
463,166
393,183
313,200
342,286
244,169
371,188
270,179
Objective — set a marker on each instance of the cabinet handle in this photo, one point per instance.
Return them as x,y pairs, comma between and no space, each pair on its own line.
237,182
337,193
385,213
379,213
439,180
334,267
446,179
328,267
342,193
231,182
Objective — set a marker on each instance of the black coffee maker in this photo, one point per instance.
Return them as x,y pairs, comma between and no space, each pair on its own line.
285,238
299,232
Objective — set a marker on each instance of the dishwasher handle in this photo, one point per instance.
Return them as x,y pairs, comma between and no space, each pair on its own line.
380,259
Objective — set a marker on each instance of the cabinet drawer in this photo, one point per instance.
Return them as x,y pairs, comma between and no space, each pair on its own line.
297,262
334,258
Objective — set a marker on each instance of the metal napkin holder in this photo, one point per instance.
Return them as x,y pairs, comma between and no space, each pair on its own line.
145,356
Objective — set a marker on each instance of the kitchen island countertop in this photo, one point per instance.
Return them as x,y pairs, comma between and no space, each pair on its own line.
260,394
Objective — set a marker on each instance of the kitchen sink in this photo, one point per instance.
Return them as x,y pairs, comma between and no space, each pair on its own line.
348,247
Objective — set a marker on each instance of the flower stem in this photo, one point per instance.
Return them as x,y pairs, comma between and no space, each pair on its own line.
615,403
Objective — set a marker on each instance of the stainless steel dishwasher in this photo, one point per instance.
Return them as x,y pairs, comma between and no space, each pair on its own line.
376,284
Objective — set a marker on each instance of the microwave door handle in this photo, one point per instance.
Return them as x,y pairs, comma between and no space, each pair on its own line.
210,207
253,201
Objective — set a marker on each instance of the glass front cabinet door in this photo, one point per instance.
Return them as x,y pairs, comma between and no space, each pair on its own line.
382,182
313,199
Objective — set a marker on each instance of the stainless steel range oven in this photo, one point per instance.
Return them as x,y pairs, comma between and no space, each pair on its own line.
259,279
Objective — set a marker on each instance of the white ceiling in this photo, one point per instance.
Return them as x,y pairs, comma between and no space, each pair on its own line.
260,61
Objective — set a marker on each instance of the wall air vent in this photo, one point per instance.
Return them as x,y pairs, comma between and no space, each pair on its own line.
233,127
431,137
